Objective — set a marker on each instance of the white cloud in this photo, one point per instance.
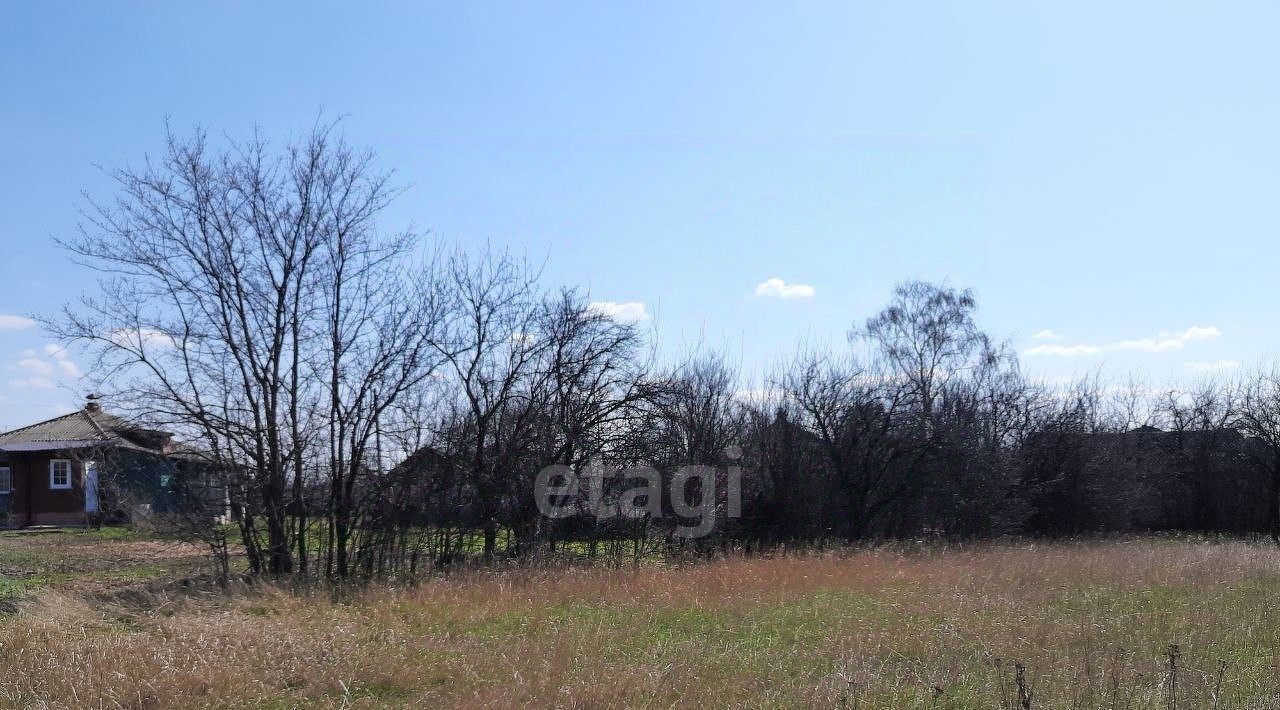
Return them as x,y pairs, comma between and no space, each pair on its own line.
1164,342
63,360
1171,341
35,383
41,369
1195,332
1046,334
36,365
1215,366
629,312
1149,345
777,288
11,322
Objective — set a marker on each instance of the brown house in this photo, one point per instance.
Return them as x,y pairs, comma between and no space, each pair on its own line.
51,473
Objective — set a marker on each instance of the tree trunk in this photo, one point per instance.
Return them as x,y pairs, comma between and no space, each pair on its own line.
1275,498
279,550
490,539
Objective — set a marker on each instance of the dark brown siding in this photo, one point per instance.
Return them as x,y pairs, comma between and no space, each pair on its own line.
34,503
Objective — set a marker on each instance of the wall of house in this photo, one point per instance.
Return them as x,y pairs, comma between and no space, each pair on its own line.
142,483
33,502
131,483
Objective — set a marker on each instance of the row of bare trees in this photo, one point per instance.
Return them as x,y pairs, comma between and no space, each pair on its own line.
371,409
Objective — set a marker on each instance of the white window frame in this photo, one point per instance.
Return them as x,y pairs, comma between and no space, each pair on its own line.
6,480
53,467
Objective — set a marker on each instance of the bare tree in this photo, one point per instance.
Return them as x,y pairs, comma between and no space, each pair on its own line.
596,379
492,347
854,413
380,321
1205,447
1259,419
929,336
696,418
234,278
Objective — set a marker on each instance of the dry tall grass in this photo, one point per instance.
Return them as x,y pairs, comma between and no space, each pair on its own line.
1091,623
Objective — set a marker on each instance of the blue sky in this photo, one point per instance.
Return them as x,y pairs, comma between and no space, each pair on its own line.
1109,174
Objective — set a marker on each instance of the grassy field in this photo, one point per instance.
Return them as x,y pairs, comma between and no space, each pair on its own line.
1091,623
88,562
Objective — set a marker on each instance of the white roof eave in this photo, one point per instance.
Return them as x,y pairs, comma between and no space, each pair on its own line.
24,446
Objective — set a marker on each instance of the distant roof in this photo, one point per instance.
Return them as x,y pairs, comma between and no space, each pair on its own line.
82,429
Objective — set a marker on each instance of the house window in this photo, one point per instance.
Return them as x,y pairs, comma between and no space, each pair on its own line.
59,474
6,480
